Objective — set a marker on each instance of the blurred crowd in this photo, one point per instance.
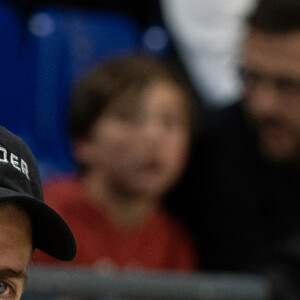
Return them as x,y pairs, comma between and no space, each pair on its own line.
181,143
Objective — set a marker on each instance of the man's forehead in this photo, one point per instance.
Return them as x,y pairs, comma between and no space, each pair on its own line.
276,51
15,237
270,39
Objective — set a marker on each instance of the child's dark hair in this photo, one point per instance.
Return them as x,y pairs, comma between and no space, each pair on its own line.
111,80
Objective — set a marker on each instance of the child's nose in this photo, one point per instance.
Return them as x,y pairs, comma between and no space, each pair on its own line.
152,131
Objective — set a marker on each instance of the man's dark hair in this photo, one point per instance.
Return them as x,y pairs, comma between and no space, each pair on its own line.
276,16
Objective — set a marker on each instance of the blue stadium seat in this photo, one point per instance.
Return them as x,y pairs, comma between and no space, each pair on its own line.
64,43
11,114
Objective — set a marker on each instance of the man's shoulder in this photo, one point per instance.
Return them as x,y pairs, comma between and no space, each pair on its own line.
227,143
226,128
224,119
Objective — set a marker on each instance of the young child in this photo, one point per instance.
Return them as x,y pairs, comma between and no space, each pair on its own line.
131,129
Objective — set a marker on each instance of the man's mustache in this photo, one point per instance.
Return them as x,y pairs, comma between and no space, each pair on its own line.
270,122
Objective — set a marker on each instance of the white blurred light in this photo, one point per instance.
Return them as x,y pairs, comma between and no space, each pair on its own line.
41,24
155,38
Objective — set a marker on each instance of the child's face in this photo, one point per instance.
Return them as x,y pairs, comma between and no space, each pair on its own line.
141,144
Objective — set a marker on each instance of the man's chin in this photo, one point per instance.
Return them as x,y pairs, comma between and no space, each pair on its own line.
278,144
278,152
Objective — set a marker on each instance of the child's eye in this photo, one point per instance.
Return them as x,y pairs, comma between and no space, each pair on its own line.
172,122
125,115
169,122
129,117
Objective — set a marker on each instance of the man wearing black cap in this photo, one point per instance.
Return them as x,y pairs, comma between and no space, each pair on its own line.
26,222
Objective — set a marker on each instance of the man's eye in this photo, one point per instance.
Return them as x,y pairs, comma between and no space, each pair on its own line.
5,289
250,76
288,85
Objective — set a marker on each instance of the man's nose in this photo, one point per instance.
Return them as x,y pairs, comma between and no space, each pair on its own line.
264,98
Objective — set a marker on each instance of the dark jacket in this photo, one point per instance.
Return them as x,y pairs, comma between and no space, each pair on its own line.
244,210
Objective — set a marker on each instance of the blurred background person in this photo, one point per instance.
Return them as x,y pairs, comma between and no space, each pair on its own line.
246,170
207,36
131,127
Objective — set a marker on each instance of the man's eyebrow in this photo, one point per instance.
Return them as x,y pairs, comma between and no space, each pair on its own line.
11,273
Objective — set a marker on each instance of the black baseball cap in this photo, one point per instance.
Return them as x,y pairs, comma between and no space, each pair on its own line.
20,183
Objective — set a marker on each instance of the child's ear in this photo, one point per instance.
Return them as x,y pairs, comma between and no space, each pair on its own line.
83,151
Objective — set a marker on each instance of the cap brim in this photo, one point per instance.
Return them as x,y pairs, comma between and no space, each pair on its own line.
50,233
